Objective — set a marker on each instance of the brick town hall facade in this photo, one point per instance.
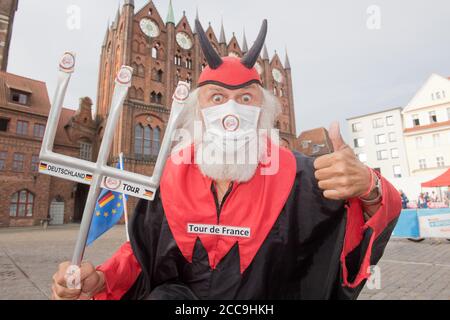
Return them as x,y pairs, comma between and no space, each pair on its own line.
161,53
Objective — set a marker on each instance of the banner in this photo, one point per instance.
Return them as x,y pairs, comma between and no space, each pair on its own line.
434,223
424,223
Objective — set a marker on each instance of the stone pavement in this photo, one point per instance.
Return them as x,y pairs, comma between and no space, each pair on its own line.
29,257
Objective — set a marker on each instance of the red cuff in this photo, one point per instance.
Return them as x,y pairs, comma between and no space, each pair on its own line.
356,228
121,272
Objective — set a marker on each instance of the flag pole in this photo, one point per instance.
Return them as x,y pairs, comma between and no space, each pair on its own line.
124,201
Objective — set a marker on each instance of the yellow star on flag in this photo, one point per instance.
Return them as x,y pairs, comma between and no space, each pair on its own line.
114,211
98,214
120,197
118,205
106,214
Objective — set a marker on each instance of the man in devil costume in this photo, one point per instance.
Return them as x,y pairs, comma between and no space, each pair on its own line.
310,230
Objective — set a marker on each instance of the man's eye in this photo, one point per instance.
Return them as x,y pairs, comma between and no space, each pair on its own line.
217,98
246,98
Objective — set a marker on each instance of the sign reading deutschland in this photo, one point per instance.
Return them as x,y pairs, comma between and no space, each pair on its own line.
65,173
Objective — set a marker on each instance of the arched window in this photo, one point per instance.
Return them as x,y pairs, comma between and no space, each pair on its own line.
86,150
159,98
153,97
158,75
147,141
178,60
156,141
132,93
155,53
21,204
138,140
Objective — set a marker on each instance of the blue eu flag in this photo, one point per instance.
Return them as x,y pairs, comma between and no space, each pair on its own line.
108,212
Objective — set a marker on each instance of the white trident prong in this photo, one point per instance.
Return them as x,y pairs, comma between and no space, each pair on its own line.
99,175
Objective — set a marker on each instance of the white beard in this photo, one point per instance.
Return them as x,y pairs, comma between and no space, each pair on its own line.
240,166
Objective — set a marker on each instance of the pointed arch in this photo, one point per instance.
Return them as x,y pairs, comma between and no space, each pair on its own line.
132,93
153,97
21,204
140,94
155,52
159,98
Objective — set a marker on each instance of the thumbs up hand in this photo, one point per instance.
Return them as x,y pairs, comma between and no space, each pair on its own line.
341,175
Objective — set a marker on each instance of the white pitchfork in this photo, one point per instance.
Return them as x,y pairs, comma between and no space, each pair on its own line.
98,174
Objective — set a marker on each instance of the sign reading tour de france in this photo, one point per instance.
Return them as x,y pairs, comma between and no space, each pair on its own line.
128,188
71,174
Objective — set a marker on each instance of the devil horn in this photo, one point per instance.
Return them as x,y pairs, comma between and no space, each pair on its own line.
212,57
249,60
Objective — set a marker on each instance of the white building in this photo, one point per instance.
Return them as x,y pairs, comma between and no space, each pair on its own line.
377,139
408,146
427,128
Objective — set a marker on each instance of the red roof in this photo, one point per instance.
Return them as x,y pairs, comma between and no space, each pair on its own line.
441,181
39,104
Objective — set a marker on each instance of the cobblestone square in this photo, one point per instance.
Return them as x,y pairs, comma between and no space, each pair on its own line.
29,257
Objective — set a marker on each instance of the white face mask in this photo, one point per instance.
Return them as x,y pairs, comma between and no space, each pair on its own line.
231,126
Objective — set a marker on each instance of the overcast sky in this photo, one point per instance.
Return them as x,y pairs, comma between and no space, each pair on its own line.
341,67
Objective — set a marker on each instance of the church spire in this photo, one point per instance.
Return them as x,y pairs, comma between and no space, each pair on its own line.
245,44
287,63
196,18
265,53
128,2
116,20
106,35
222,35
170,14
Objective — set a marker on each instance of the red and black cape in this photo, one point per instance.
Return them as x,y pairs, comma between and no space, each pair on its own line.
302,246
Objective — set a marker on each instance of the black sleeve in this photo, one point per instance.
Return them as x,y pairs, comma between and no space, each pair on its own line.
354,260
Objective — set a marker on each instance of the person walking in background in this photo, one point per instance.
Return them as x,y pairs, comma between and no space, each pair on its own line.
434,197
421,202
405,200
427,200
447,197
